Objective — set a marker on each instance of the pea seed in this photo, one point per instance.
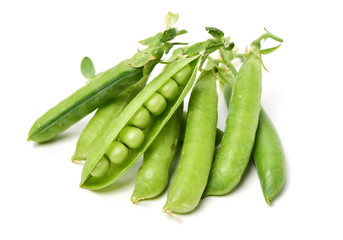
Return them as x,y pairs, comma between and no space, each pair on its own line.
156,104
169,90
183,75
141,119
117,152
101,168
132,137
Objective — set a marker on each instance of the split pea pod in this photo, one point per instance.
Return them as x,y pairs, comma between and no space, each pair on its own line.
153,176
267,154
84,101
198,147
123,143
101,119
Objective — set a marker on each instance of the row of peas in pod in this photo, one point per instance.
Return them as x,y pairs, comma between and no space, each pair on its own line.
135,119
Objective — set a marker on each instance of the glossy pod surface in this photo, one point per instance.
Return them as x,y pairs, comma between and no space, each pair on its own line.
269,158
153,176
84,101
101,119
241,124
198,147
112,133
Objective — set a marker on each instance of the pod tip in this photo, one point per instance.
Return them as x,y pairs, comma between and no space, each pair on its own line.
165,210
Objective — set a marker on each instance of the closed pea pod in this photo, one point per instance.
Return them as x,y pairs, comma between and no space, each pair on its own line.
237,142
123,120
269,158
103,87
84,101
267,153
198,147
152,177
241,124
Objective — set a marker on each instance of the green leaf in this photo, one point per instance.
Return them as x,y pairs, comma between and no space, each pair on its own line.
171,19
215,32
226,76
177,54
211,64
269,50
87,68
196,48
152,40
168,35
180,32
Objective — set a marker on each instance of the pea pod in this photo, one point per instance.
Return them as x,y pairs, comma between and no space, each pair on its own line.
198,147
101,119
267,154
84,101
219,133
153,176
105,86
113,133
269,158
241,124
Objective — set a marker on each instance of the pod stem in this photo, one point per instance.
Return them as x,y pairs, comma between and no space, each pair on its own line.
257,42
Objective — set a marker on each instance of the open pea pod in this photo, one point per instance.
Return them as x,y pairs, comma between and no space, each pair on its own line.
111,171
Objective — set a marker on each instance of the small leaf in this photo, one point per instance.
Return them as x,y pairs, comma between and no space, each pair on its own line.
269,50
177,54
171,19
152,40
230,47
87,68
168,35
139,59
196,48
226,76
215,32
180,32
211,64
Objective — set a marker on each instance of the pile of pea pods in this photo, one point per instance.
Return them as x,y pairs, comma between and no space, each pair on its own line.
136,117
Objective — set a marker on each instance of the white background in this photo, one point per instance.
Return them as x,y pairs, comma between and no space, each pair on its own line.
41,46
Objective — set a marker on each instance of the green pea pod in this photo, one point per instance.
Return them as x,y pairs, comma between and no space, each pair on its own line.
269,158
219,133
241,124
101,119
267,153
239,134
153,176
198,147
84,101
121,134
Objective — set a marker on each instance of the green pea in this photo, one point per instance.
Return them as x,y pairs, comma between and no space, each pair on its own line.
182,75
169,90
101,168
117,152
198,148
141,119
156,104
132,137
